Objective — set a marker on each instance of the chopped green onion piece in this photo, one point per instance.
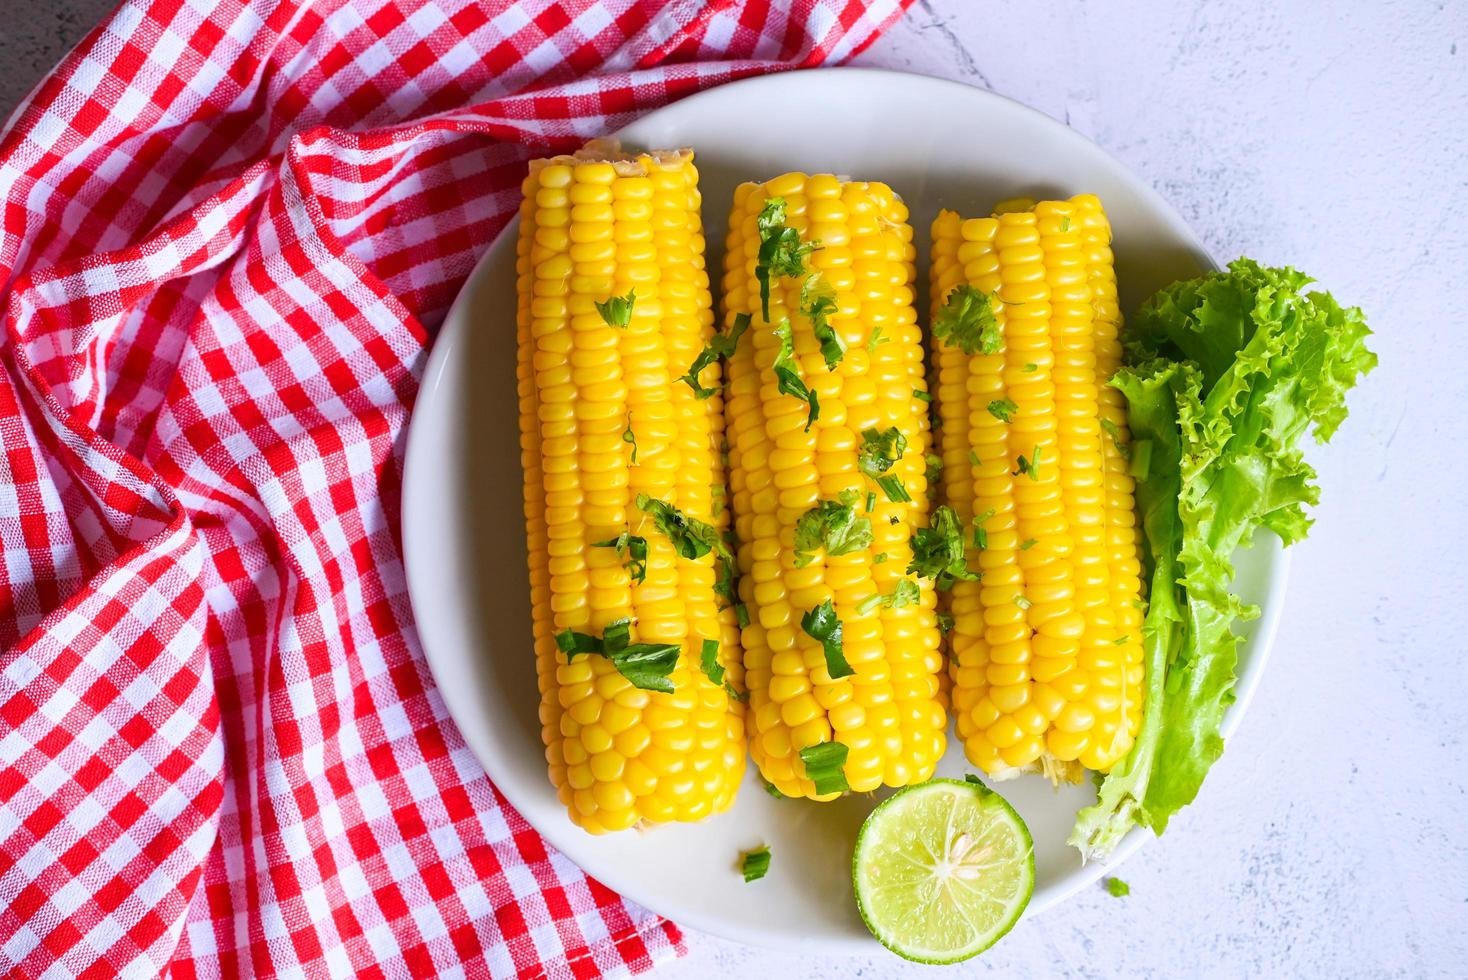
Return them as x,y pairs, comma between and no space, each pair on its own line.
875,339
973,457
967,322
823,765
734,695
617,310
1065,223
741,614
1022,602
1030,368
921,396
755,864
877,559
773,790
629,436
1027,544
822,624
818,302
1118,888
1030,466
871,501
1121,640
892,487
945,623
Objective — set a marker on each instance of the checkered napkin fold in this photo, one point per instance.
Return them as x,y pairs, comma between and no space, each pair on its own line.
230,229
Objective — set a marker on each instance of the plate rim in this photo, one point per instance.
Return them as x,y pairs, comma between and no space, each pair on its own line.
1261,644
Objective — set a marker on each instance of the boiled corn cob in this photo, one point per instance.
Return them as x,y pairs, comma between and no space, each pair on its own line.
613,304
796,462
1046,648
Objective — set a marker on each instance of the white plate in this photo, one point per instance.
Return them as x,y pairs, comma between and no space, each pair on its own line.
938,144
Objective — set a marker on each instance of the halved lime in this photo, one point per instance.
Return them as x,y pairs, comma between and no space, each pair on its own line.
942,870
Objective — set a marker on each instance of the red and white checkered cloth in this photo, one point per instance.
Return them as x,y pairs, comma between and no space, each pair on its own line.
230,228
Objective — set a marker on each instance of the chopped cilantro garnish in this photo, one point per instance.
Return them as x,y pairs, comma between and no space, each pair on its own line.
1030,466
709,661
781,252
823,765
818,302
967,322
822,624
877,559
981,535
880,451
832,525
693,539
734,695
1112,430
921,395
938,550
945,623
875,339
617,310
1003,409
787,374
1030,368
1027,544
645,665
1118,888
741,614
720,347
633,552
905,593
755,864
774,791
973,458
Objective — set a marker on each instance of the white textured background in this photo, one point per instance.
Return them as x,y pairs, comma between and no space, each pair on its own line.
1332,839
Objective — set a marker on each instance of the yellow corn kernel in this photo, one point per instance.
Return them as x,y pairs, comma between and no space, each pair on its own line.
887,713
592,228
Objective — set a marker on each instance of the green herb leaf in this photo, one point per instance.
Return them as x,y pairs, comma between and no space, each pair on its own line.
693,539
817,303
875,339
781,253
733,694
822,624
969,777
967,322
720,348
945,623
787,374
921,395
633,552
1030,368
616,311
879,452
973,458
938,550
905,593
1121,640
877,559
1003,409
823,766
646,665
755,864
773,790
832,525
741,614
628,436
709,661
1027,544
1117,888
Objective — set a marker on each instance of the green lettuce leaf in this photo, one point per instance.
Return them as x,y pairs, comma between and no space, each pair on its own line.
1225,374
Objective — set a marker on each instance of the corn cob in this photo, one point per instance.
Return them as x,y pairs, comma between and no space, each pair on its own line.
787,462
1046,654
604,421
